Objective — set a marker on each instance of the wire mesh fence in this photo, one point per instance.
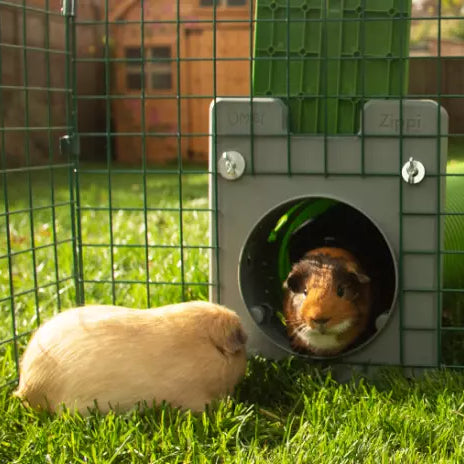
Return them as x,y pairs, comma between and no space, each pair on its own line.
121,214
36,221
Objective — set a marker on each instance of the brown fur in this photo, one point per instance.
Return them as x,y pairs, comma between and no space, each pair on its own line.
187,354
322,322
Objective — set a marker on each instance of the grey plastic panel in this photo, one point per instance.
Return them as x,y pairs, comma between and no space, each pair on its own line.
374,187
269,116
426,240
420,348
420,117
420,272
420,311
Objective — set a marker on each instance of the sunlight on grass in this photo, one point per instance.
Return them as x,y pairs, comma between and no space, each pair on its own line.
129,253
283,412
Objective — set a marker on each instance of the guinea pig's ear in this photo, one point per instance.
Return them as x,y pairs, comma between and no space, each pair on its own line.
235,340
296,280
363,278
360,276
227,334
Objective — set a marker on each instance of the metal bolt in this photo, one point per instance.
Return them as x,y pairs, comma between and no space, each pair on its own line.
381,321
258,313
413,171
231,165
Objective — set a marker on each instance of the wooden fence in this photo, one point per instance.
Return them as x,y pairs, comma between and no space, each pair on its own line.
441,79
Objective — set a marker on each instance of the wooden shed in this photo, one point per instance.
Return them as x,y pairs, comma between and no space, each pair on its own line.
179,47
33,57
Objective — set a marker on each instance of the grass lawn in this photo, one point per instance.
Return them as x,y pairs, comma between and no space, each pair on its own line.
282,412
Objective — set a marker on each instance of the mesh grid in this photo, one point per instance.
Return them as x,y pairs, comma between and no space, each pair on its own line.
126,219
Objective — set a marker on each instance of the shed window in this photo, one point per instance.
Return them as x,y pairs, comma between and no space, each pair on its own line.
134,81
223,2
134,68
157,67
161,52
161,68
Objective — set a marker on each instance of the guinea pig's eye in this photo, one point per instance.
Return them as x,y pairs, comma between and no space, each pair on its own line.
305,292
340,291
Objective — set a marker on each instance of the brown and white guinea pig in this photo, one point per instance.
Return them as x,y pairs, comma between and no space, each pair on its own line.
186,354
326,301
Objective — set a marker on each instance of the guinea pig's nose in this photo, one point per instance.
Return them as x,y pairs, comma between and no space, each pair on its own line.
320,321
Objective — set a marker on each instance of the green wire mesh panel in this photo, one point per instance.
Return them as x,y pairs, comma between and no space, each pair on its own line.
128,221
37,230
325,58
143,209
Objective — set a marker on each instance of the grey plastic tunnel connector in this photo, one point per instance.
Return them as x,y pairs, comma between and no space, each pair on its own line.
362,170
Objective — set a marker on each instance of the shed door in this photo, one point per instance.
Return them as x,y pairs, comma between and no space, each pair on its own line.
232,77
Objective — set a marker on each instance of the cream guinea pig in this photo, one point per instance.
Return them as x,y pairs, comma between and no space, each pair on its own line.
186,354
327,302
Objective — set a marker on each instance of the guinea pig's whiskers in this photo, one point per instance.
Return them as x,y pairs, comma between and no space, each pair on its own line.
301,327
300,330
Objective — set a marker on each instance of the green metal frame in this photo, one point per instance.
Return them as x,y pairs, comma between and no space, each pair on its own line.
22,179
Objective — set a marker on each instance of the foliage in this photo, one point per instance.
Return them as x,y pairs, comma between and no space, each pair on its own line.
282,412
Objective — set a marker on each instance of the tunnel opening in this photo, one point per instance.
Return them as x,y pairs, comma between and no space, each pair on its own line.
285,233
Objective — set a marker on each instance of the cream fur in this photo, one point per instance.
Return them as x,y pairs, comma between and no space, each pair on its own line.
320,341
324,341
187,354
